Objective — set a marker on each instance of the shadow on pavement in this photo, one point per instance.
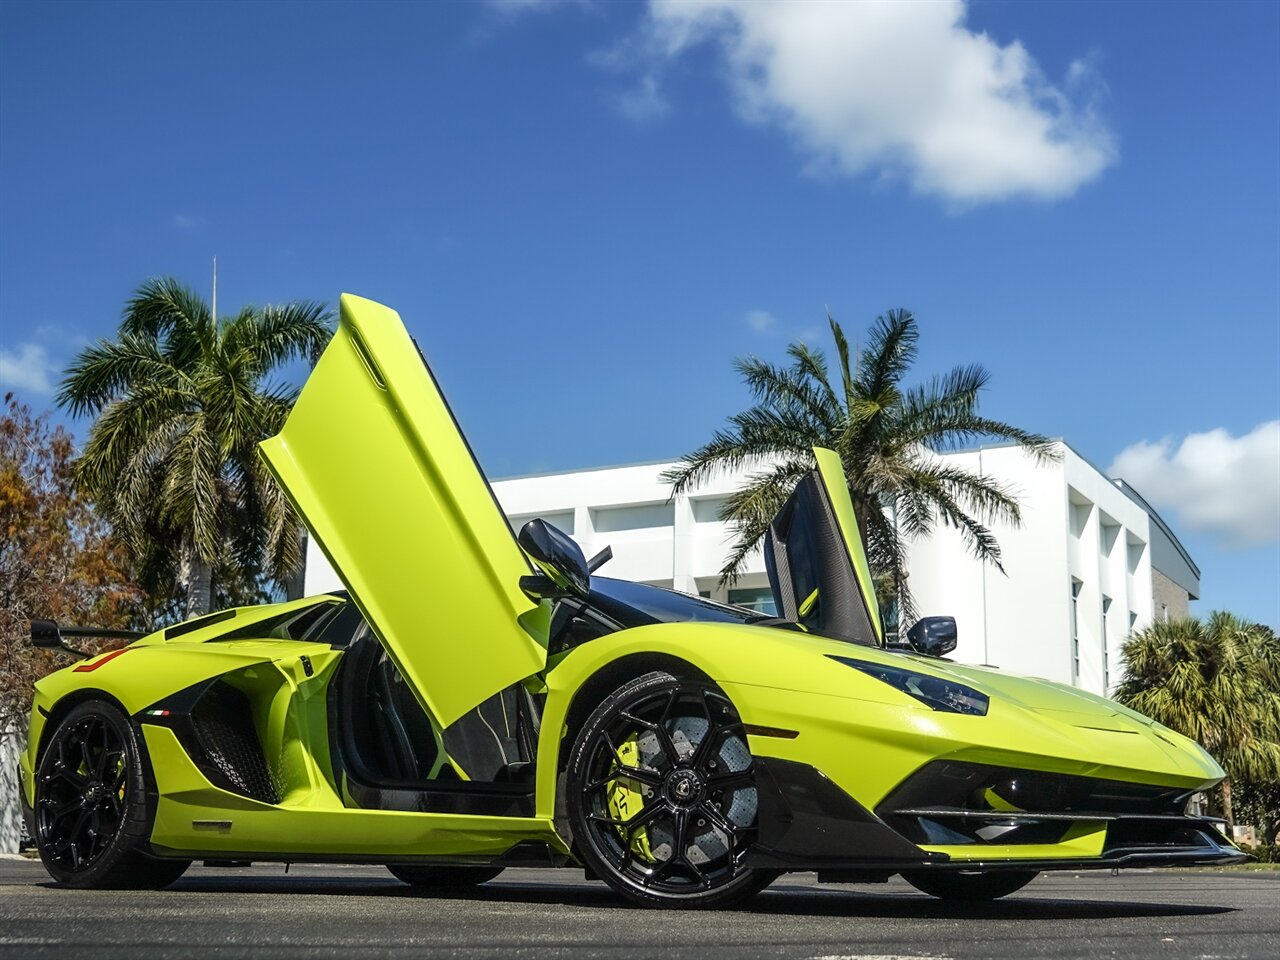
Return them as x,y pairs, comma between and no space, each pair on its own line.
781,900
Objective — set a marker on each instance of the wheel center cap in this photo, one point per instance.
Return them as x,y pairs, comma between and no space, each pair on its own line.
684,787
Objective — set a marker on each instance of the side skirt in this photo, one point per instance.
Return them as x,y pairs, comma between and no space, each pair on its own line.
527,853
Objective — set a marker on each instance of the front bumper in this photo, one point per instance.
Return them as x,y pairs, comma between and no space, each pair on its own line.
806,822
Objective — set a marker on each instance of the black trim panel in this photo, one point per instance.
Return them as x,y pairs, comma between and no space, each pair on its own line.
521,854
806,821
199,623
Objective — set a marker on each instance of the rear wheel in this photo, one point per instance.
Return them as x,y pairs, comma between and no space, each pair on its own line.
661,795
442,878
977,885
91,810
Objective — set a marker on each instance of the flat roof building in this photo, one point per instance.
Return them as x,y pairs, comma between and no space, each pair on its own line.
1090,562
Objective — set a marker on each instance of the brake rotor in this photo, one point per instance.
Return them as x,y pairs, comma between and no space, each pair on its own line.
706,842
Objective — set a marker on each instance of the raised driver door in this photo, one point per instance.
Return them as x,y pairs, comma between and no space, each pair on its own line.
816,563
378,469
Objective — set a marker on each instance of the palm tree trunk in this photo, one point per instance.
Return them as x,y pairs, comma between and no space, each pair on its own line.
295,585
197,577
1226,803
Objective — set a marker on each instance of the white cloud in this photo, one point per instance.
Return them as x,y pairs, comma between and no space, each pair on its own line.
26,368
1224,485
643,104
761,321
184,222
516,7
897,89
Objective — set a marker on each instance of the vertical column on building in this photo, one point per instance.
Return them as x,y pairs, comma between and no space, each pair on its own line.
584,531
1115,620
682,577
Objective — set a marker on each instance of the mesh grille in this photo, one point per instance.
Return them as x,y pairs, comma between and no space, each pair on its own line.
223,722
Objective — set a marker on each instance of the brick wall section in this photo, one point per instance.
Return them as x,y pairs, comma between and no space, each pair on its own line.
1166,594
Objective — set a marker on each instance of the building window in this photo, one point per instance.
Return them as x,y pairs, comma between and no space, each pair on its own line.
708,509
644,516
1075,629
1106,655
562,520
1133,621
759,599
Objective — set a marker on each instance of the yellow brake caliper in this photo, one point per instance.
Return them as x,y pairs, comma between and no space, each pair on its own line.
626,799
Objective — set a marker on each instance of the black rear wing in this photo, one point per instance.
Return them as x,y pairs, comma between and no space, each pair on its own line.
48,635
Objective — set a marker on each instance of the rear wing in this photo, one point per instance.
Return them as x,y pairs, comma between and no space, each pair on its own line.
48,635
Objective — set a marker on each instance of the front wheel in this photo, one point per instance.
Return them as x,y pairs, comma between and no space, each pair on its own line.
661,795
91,811
971,886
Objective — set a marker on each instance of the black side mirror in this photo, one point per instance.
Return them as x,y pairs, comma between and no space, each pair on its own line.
562,564
933,636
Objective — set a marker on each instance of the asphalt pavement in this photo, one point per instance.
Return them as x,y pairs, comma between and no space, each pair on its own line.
355,912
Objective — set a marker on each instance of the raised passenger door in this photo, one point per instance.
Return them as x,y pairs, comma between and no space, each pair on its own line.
380,472
817,567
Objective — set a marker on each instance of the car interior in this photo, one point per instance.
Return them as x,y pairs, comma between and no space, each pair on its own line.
389,754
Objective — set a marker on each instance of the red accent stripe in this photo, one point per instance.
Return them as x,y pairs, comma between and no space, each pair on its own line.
95,664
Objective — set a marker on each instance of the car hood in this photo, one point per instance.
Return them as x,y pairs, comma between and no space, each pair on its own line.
1033,693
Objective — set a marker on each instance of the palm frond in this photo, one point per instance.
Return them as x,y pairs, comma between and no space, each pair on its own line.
103,372
796,388
279,333
172,315
891,349
762,435
991,500
846,365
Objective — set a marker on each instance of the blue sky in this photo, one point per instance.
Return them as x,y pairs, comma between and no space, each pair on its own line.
584,211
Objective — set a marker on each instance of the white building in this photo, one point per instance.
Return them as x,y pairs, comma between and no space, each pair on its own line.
1090,562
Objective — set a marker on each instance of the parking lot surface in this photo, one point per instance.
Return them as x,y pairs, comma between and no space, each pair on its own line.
352,912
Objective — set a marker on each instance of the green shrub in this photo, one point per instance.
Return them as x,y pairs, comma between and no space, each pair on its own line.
1265,852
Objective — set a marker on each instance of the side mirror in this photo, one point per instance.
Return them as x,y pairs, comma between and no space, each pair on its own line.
562,564
933,636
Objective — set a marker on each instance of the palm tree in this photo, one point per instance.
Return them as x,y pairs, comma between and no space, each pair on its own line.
1215,681
181,400
886,435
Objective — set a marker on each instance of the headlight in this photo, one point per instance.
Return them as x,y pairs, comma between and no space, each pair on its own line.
935,693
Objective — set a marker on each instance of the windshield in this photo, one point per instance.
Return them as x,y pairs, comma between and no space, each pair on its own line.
661,605
633,604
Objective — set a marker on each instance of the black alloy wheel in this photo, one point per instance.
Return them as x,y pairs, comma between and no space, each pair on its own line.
91,810
662,797
441,879
970,885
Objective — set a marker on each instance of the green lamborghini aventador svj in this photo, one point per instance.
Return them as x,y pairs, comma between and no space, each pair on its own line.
475,700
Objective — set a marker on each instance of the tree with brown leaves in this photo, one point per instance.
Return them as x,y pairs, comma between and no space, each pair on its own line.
58,558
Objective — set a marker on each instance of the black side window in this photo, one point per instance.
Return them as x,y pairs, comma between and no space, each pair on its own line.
810,569
340,629
293,625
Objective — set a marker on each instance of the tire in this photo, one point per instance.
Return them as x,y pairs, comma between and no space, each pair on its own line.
674,830
91,811
442,879
975,886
